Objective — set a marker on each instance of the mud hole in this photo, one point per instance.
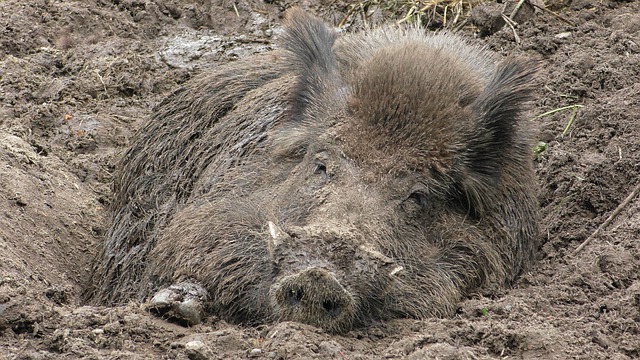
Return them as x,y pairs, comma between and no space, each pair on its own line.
77,78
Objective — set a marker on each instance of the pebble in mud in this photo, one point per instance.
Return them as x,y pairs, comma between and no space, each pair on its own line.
255,353
197,350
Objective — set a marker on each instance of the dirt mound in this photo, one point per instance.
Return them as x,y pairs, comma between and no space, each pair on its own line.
77,79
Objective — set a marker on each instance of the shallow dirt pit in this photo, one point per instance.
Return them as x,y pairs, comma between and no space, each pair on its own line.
78,78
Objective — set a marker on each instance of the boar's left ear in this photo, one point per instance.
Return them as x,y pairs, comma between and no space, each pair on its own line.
499,134
309,42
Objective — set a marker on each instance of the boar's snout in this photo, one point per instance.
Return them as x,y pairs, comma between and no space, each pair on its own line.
314,296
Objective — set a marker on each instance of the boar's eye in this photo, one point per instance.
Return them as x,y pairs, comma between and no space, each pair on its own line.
414,203
418,198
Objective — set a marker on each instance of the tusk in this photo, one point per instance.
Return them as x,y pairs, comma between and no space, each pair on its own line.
273,229
277,237
376,254
396,270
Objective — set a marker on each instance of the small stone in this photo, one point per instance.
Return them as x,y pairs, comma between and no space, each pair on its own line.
255,352
197,350
563,35
195,345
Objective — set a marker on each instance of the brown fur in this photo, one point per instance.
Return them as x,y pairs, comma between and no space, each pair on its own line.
395,167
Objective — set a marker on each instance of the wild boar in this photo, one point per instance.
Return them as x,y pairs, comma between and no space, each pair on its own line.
337,181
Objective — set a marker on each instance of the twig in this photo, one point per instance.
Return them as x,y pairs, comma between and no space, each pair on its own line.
346,17
609,219
102,81
556,110
236,9
252,40
511,24
429,5
365,18
410,13
460,25
516,9
573,117
562,18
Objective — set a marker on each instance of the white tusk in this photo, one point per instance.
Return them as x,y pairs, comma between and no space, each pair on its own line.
376,254
273,229
277,236
396,270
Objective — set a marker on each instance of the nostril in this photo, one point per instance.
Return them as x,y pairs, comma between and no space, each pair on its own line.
313,296
294,296
333,308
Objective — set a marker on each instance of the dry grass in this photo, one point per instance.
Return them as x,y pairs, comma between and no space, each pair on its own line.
438,13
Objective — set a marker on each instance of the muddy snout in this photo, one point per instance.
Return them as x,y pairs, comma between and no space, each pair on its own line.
314,296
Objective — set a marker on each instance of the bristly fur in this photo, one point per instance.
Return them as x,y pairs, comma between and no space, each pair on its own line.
397,165
406,93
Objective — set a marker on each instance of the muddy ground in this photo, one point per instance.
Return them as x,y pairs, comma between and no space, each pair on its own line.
77,78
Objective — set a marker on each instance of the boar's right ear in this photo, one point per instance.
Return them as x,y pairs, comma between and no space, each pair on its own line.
308,42
499,134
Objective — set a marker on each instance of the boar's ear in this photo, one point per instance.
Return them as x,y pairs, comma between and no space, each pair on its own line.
308,42
498,134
